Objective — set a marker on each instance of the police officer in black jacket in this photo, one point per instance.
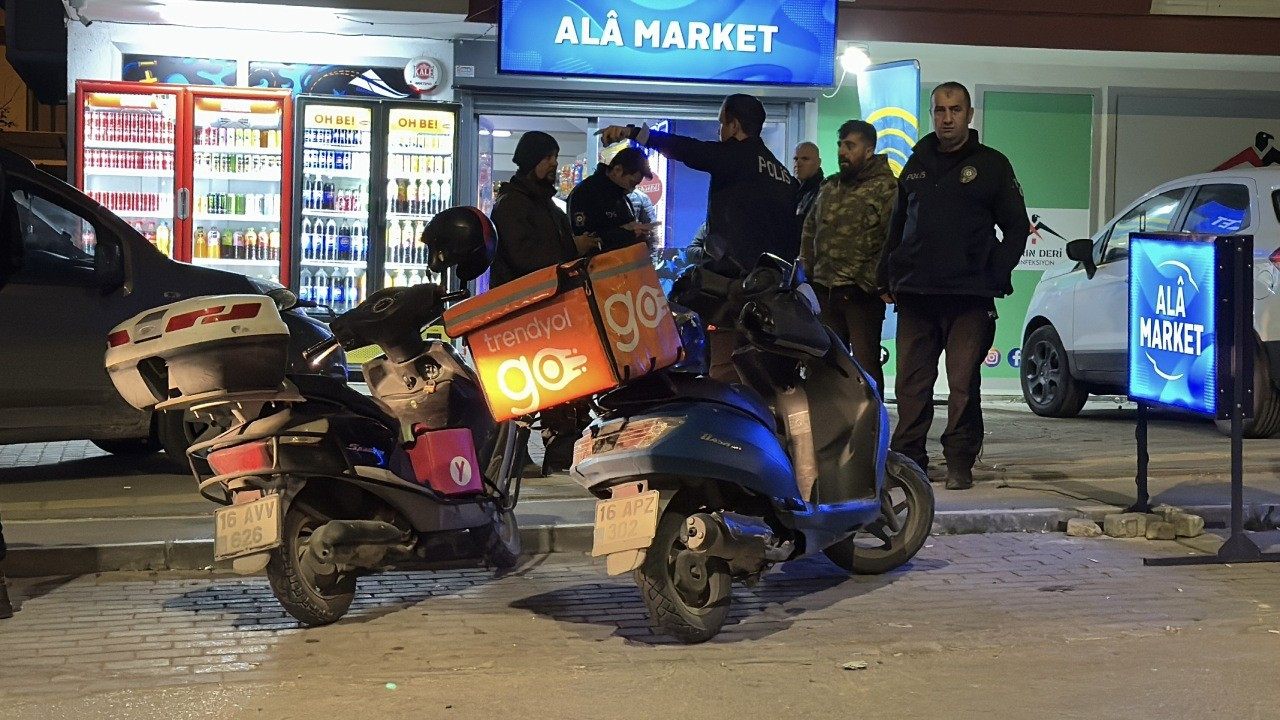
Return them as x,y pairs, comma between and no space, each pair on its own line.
601,204
750,204
943,267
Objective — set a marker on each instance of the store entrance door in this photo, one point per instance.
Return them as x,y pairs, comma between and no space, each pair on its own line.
676,197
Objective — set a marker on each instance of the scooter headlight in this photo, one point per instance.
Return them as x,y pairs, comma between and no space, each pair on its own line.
637,435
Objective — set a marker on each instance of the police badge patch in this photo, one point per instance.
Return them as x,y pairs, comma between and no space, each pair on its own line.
968,174
579,219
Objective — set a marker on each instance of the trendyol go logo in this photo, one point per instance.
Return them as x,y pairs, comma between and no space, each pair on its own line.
645,307
551,370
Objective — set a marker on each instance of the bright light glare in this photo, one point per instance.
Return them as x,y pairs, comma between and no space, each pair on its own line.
854,59
502,133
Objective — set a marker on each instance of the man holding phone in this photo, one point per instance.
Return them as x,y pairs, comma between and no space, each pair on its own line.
600,204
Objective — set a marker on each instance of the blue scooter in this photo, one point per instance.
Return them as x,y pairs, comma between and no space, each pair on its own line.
703,483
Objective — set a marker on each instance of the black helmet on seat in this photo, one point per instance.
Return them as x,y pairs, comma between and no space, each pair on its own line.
461,237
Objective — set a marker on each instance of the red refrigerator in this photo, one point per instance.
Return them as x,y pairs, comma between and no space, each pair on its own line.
202,172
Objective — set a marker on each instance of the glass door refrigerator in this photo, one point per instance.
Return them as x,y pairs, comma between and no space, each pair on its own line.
127,156
239,189
332,206
418,166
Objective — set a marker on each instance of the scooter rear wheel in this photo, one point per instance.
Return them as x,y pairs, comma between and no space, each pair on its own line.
880,547
502,540
305,592
687,594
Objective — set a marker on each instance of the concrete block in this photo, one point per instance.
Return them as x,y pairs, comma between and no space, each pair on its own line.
1083,527
1186,525
1125,525
1160,530
1166,512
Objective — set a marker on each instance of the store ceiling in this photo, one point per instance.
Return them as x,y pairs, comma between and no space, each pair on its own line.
394,18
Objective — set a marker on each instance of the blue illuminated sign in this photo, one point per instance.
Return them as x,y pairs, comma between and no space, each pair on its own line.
1173,322
766,42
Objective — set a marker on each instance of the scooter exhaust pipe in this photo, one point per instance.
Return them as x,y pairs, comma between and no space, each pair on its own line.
746,542
355,543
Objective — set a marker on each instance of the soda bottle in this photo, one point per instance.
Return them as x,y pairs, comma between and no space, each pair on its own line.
200,248
274,243
412,195
250,244
226,250
304,285
359,243
414,278
393,243
163,238
328,196
237,242
391,195
402,196
305,239
211,248
331,241
264,245
420,250
344,243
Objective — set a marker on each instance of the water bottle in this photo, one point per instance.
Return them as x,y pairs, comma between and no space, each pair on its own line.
304,285
322,288
306,239
353,297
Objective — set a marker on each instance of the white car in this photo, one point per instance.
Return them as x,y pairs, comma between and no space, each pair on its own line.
1074,340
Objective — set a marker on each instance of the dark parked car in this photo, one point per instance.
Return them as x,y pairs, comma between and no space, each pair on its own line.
61,295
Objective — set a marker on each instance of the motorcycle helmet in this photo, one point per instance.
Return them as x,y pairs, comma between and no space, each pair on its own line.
461,237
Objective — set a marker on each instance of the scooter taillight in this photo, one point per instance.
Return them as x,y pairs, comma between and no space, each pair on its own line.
245,458
632,436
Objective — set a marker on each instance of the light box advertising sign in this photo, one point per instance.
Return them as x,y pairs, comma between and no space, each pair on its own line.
1173,321
764,42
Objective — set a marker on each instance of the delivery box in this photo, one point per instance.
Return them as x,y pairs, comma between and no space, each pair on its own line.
568,331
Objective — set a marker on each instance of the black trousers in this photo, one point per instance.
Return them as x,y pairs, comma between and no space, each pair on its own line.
964,327
857,317
3,550
562,425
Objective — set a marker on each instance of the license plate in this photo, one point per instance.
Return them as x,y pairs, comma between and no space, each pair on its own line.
625,523
248,528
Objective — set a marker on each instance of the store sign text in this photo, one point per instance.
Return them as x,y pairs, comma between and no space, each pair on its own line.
732,37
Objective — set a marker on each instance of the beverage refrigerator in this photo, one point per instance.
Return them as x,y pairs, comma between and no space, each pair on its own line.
373,174
202,172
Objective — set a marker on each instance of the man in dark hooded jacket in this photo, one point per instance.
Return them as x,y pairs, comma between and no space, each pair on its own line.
533,233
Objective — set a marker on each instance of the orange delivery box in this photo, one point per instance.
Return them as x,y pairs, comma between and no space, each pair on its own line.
567,331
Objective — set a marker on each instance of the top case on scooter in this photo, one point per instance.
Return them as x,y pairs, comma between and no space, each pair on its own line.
568,331
445,460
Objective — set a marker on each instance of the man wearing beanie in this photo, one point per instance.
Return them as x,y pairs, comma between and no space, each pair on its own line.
533,233
750,204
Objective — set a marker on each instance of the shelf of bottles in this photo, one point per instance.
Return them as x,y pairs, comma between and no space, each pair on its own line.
128,160
419,185
237,168
337,147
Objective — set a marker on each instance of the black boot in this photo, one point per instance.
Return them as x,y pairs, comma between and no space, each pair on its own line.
6,607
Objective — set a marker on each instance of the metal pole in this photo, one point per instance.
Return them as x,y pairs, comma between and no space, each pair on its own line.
1143,503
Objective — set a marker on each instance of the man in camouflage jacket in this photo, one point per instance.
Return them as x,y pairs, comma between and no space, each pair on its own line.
841,242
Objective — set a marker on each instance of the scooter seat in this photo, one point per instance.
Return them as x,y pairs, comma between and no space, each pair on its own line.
666,387
329,389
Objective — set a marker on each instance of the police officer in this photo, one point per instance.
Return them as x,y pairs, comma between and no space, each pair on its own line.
601,204
943,267
750,203
841,242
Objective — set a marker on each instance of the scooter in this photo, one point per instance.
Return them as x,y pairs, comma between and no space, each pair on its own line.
320,483
703,483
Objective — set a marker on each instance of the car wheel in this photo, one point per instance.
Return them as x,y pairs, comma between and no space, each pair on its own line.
1047,385
178,430
1266,401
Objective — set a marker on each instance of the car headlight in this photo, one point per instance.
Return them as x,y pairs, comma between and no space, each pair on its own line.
283,296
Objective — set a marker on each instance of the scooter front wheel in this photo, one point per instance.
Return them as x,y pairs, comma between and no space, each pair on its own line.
687,593
306,590
906,520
